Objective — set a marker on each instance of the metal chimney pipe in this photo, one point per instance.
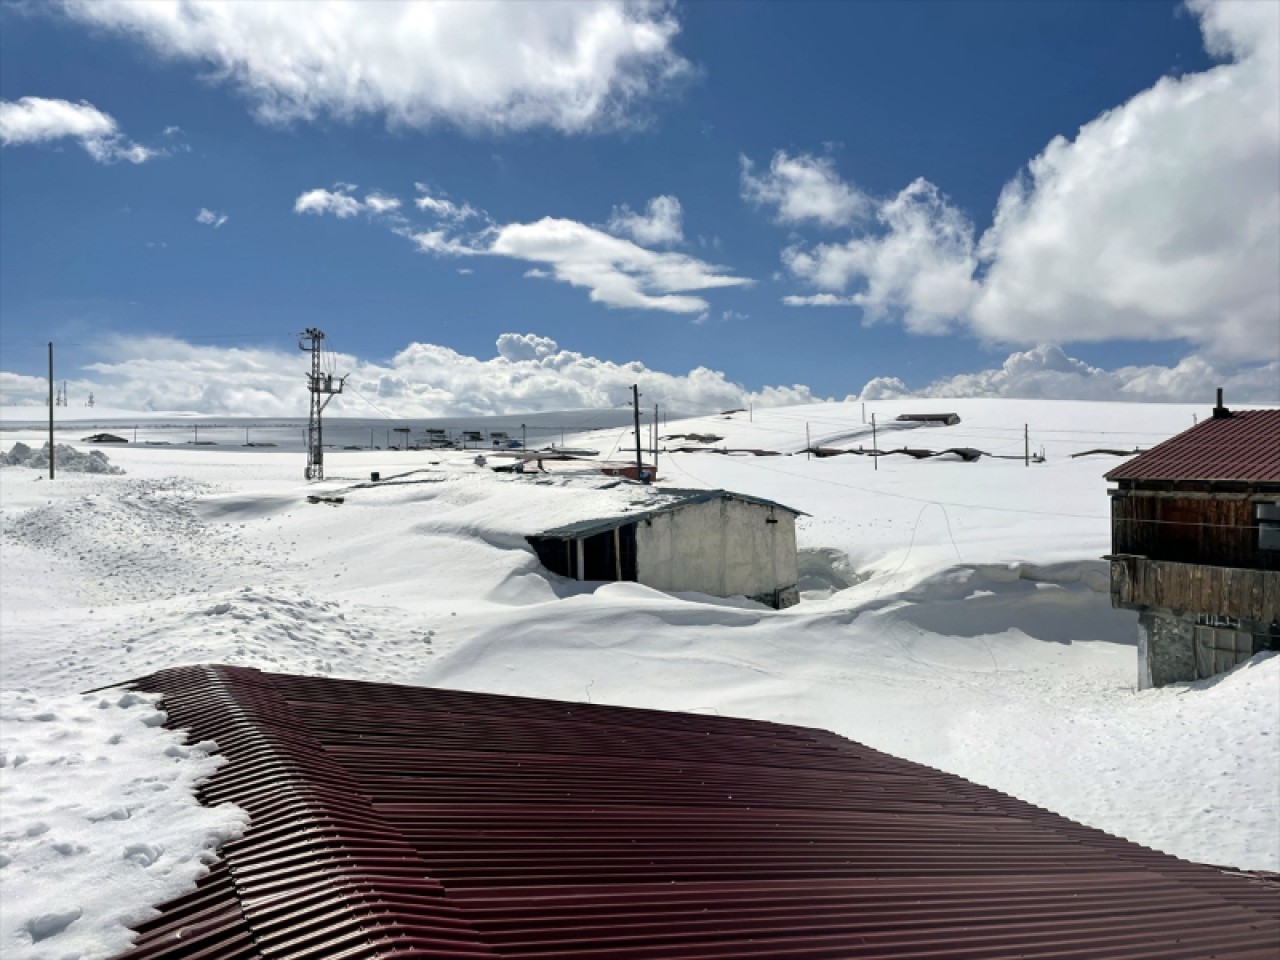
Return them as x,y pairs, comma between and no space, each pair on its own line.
1220,412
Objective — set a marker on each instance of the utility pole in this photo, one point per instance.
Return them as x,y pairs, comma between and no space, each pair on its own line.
1026,445
635,406
320,385
50,409
808,444
655,439
875,448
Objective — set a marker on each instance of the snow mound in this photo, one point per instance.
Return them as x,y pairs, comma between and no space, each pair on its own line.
99,821
68,459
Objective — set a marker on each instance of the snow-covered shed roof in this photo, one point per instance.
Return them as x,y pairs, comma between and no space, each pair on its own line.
392,821
673,499
1243,446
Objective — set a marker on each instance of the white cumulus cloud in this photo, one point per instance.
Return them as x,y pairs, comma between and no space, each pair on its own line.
660,225
616,271
211,218
1159,220
342,202
31,120
571,65
918,266
804,188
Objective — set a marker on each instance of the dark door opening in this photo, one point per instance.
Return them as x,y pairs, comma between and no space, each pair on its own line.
611,555
556,555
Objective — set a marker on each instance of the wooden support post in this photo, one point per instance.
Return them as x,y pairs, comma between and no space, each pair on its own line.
582,560
617,554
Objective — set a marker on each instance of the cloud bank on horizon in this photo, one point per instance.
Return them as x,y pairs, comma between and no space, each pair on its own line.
531,373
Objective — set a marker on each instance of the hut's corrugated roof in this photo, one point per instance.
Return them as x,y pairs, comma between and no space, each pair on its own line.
678,500
392,821
1244,446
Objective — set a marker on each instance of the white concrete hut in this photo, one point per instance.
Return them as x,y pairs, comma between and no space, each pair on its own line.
705,541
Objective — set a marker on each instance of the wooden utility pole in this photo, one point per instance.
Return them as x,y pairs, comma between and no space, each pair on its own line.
635,406
1026,445
50,409
655,442
808,444
875,449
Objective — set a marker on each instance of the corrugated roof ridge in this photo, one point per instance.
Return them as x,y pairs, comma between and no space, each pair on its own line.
309,892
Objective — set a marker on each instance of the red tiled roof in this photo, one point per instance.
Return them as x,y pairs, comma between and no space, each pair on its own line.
1243,446
395,821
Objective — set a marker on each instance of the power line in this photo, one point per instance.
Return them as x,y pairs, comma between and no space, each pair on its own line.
961,506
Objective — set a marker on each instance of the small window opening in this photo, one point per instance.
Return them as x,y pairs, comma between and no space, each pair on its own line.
1268,517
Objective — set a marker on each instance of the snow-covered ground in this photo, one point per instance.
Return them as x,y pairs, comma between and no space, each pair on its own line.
953,613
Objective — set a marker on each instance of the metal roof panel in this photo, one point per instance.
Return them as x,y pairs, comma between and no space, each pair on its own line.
392,821
680,499
1242,447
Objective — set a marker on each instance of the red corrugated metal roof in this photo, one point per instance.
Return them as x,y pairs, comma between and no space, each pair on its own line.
394,821
1243,446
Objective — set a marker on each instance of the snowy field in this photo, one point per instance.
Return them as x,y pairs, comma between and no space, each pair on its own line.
953,613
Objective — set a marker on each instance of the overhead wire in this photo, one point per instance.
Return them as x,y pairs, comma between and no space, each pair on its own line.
958,505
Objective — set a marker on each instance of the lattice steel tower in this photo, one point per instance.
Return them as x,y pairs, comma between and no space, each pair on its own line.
321,385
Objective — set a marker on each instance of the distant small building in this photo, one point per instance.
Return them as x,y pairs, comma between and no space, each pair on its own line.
1195,531
705,541
943,419
103,438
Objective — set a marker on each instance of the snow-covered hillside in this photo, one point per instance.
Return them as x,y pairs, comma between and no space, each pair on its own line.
954,613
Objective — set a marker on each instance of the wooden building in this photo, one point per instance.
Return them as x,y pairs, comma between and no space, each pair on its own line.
1195,534
704,541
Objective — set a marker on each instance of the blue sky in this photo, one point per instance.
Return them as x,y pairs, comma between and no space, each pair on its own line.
785,138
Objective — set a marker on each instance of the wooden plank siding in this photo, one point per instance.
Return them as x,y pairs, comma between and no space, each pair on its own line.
1212,530
1247,595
